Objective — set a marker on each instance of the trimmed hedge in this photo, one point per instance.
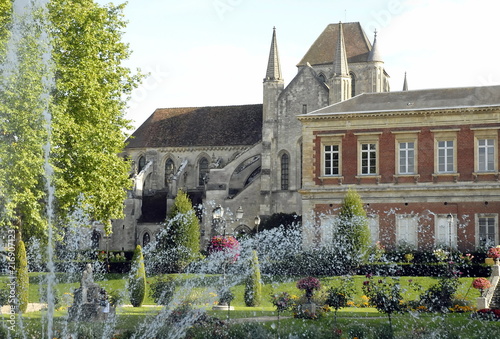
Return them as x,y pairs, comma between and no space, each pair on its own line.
22,278
137,279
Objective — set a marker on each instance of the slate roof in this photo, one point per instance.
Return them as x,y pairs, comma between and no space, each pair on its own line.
427,99
200,126
322,50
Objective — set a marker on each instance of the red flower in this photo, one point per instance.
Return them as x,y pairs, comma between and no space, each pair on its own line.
308,284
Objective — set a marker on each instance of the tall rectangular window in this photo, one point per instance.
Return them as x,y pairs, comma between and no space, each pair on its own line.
331,156
407,230
406,158
368,158
486,231
446,158
486,155
446,231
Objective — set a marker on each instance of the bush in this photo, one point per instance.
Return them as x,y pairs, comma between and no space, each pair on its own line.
22,278
439,297
253,286
162,290
137,279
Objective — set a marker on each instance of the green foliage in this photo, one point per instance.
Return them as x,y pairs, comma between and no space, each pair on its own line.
353,233
439,297
162,290
181,241
22,278
137,279
253,285
87,104
337,296
385,295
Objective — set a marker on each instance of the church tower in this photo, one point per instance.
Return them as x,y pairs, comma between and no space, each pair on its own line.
273,86
340,82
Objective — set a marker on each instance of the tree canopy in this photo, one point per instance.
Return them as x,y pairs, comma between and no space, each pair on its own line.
67,61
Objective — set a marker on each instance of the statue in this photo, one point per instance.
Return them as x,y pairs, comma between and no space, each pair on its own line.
90,300
87,282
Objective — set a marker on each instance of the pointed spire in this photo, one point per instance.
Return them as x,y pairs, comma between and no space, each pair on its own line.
273,66
375,53
405,84
340,67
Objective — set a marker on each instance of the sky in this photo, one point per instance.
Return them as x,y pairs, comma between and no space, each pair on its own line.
215,52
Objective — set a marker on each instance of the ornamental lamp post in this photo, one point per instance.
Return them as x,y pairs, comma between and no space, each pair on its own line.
257,223
217,217
239,213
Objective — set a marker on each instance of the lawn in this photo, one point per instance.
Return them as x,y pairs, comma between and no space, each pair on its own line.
359,321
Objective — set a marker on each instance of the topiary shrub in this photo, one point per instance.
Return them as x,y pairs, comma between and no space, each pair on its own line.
22,278
253,286
137,279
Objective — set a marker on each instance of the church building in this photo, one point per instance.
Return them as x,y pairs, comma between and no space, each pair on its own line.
248,158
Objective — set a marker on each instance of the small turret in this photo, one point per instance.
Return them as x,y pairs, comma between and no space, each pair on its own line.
375,53
340,83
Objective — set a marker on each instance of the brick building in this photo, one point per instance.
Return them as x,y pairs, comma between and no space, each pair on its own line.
424,162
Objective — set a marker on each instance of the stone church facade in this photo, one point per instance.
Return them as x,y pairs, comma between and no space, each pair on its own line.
244,158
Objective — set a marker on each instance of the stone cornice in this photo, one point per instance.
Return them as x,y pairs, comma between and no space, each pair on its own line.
392,113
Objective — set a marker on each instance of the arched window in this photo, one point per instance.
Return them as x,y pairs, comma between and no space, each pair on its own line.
203,171
142,164
353,84
285,164
169,170
146,239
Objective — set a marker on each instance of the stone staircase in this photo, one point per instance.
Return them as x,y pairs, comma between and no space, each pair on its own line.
495,300
491,297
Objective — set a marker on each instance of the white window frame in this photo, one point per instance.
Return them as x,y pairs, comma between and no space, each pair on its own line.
407,236
495,239
368,139
331,153
445,136
443,235
373,224
485,134
331,140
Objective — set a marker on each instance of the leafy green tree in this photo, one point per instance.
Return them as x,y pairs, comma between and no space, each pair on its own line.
87,97
22,278
353,233
253,286
137,278
181,239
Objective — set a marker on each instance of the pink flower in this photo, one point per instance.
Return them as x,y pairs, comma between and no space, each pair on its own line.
481,283
494,252
227,244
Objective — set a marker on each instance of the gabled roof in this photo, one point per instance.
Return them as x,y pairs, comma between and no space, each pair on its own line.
322,50
200,126
428,99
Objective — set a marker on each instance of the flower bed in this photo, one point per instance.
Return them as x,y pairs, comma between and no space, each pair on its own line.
487,314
